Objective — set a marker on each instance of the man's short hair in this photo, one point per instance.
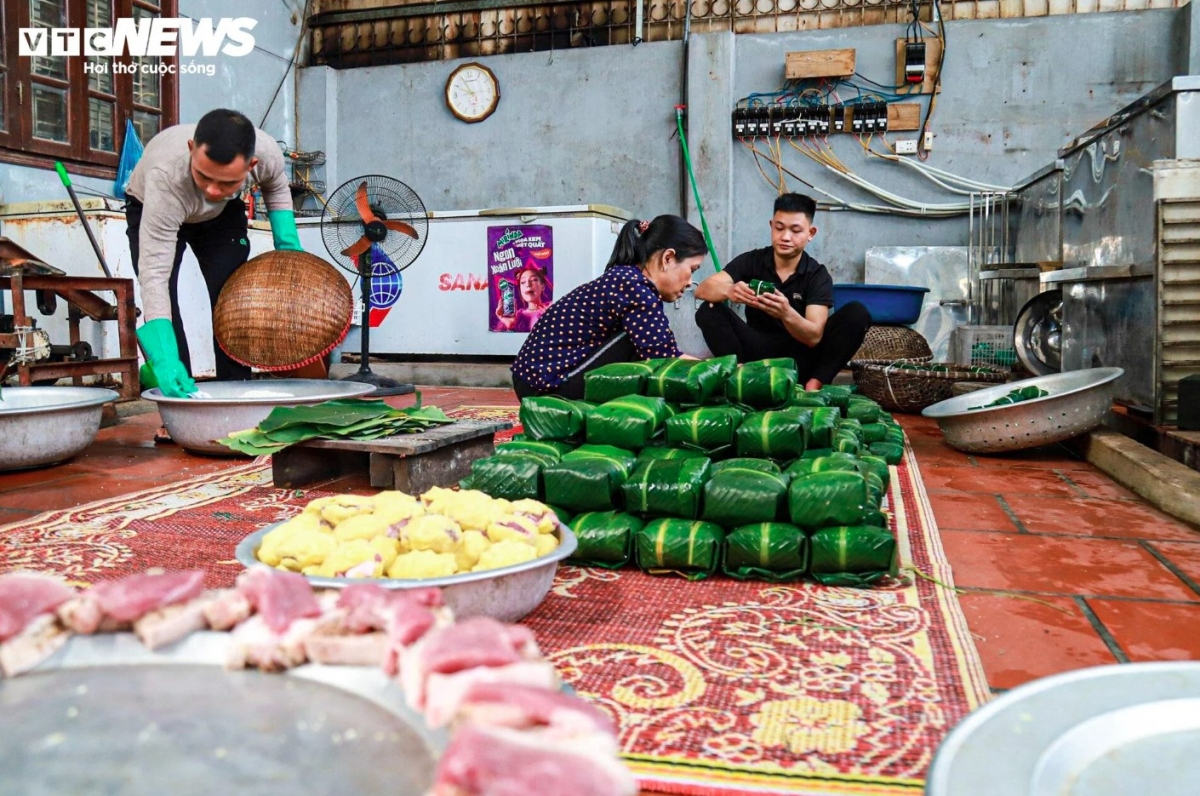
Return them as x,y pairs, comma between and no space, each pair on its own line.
226,135
796,203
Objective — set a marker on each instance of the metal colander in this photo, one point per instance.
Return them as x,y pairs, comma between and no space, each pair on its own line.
1078,402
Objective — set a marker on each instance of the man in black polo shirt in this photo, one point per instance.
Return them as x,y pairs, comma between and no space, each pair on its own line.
793,320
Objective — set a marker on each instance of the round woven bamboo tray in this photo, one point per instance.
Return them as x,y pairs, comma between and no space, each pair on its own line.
282,310
886,344
911,390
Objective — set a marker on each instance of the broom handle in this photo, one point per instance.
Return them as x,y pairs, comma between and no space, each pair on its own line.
66,181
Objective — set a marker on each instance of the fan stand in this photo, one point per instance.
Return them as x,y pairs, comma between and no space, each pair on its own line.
383,385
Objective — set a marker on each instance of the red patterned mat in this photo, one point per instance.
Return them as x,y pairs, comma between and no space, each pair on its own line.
718,686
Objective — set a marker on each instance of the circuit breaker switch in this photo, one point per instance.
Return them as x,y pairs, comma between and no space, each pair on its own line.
914,62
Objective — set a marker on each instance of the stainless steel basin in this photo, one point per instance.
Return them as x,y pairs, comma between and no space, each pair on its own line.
197,423
48,425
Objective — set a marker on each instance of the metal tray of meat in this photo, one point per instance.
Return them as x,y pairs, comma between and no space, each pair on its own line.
506,593
1110,730
106,715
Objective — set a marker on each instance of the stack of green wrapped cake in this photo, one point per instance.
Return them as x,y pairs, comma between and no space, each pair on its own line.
696,467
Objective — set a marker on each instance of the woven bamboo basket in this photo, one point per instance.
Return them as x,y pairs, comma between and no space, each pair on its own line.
282,310
886,344
909,390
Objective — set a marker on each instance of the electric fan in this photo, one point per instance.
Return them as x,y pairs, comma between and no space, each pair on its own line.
374,226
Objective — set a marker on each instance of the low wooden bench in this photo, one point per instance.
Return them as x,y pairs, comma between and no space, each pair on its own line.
412,463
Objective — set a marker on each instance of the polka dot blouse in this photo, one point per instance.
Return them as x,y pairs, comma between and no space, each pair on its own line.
622,299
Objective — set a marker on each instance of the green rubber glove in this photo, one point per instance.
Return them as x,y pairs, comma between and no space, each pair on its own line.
162,351
283,230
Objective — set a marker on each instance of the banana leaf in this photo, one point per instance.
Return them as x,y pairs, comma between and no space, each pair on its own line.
875,464
707,428
617,380
825,423
511,476
628,422
760,387
807,398
863,409
770,551
692,382
887,451
852,556
666,488
850,426
875,519
691,549
756,465
875,488
339,419
555,449
660,453
548,417
887,419
626,460
895,436
543,458
605,539
838,395
787,363
874,432
776,434
588,484
825,464
816,453
830,498
740,497
846,442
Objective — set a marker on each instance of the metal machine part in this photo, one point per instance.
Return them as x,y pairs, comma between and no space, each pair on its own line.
1037,333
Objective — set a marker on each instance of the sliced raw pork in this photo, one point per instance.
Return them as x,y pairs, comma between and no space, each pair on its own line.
491,761
522,707
115,605
25,596
286,614
444,692
479,641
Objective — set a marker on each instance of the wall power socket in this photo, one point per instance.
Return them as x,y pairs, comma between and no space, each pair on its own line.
906,147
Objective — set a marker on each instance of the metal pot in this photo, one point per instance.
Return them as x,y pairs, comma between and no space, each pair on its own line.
197,423
48,425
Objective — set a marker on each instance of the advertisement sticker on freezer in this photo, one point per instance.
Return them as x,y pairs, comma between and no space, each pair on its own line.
520,275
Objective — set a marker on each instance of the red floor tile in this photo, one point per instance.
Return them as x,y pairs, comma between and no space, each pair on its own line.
1186,557
1020,640
1087,517
994,481
963,511
1096,484
1059,565
21,479
1152,631
9,516
1042,458
73,491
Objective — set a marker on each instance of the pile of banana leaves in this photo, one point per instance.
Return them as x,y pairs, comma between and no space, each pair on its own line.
339,419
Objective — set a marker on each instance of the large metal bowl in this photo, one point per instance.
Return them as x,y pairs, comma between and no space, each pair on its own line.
506,594
197,423
1078,402
107,715
1114,730
48,425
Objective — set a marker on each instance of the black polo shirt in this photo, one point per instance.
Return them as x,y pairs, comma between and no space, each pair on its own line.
810,284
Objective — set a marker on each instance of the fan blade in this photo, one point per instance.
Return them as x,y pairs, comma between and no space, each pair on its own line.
400,226
364,207
357,248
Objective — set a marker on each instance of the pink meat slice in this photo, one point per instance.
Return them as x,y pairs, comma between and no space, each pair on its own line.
498,762
479,641
280,598
135,596
518,706
25,596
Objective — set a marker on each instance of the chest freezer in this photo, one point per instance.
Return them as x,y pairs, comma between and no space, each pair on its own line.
483,277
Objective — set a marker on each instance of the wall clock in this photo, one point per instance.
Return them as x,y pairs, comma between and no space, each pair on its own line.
472,92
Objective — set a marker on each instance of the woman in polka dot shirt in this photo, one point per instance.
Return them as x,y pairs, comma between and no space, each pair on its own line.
617,317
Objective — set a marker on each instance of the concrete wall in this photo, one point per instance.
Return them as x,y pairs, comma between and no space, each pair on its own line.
1014,91
573,127
245,84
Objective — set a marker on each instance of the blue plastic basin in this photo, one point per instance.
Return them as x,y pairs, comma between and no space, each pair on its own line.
889,304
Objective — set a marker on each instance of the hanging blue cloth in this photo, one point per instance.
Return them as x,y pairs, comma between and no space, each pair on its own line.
131,153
